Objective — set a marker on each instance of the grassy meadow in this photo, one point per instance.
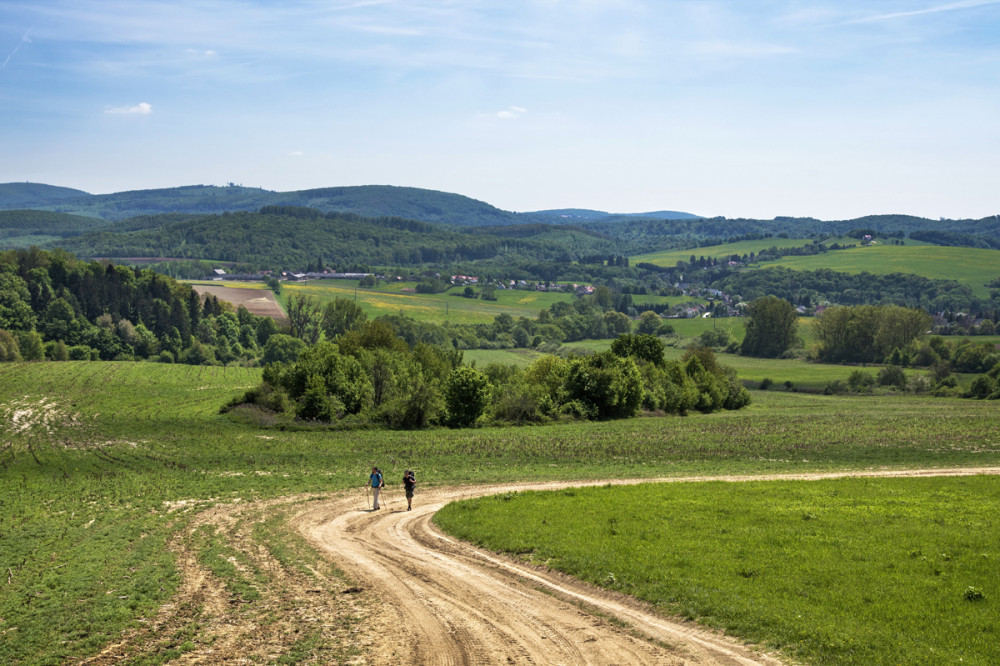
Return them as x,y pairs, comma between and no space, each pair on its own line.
847,571
103,464
671,257
971,266
396,297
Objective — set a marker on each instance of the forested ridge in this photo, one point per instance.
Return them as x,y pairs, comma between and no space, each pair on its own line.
293,237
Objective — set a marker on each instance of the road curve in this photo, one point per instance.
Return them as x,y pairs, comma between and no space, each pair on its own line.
445,602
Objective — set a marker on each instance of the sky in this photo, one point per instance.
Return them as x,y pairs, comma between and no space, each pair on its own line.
831,109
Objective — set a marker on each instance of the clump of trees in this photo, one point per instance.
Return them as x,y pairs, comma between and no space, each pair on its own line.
371,376
867,333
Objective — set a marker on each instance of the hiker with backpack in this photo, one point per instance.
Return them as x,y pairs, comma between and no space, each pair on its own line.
409,483
377,483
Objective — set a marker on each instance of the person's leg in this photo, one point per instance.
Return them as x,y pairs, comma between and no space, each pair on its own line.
375,492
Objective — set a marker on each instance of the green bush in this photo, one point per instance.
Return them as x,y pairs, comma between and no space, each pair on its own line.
891,375
610,386
466,395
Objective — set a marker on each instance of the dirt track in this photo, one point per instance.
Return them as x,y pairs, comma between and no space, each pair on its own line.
411,595
443,602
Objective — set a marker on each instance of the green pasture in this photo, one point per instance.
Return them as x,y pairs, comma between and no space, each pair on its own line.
972,266
846,571
396,297
671,257
102,463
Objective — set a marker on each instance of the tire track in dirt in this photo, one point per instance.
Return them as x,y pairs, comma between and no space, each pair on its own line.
446,602
409,593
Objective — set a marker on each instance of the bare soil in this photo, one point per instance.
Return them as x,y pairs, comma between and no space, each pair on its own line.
403,592
260,302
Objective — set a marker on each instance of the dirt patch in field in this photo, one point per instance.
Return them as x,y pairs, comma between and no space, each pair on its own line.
260,302
403,592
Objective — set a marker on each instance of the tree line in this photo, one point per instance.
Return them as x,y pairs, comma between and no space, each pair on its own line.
54,306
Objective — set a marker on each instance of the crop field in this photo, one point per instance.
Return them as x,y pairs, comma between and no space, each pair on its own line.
256,298
853,571
397,297
971,266
107,470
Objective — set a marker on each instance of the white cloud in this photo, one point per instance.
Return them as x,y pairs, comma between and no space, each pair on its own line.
140,109
952,6
24,40
511,112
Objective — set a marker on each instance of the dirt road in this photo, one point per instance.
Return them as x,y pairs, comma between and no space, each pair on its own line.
405,593
444,602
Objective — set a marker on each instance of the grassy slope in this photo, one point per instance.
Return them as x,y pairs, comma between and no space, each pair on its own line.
450,306
671,257
128,449
972,266
863,571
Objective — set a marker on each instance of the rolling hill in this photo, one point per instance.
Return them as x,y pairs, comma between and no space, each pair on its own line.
366,200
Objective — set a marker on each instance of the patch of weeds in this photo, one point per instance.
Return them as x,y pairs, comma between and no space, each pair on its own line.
221,559
302,649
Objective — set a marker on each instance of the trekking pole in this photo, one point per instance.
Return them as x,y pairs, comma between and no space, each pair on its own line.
368,496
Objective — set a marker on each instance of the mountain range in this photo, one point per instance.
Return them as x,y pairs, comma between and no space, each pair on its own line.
365,200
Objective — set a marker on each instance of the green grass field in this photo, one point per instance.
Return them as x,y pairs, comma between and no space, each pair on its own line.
396,297
847,571
101,464
971,266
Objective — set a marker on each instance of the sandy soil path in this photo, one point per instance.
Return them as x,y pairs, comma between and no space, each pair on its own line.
444,602
405,593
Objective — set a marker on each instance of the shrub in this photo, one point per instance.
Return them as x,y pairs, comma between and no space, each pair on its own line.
836,387
860,381
82,353
918,384
982,387
765,384
891,375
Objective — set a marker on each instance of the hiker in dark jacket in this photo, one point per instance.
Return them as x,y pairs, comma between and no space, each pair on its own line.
409,483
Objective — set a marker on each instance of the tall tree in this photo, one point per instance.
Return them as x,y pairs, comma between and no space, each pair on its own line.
770,329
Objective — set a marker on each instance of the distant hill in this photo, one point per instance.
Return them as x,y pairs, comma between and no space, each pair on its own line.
366,200
292,236
573,215
32,195
21,228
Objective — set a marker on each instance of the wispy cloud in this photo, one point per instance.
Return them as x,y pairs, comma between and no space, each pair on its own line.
511,112
140,109
936,9
24,40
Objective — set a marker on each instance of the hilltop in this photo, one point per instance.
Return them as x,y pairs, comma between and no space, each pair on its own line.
365,200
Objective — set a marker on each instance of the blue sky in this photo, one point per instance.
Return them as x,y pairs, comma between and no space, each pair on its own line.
831,109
